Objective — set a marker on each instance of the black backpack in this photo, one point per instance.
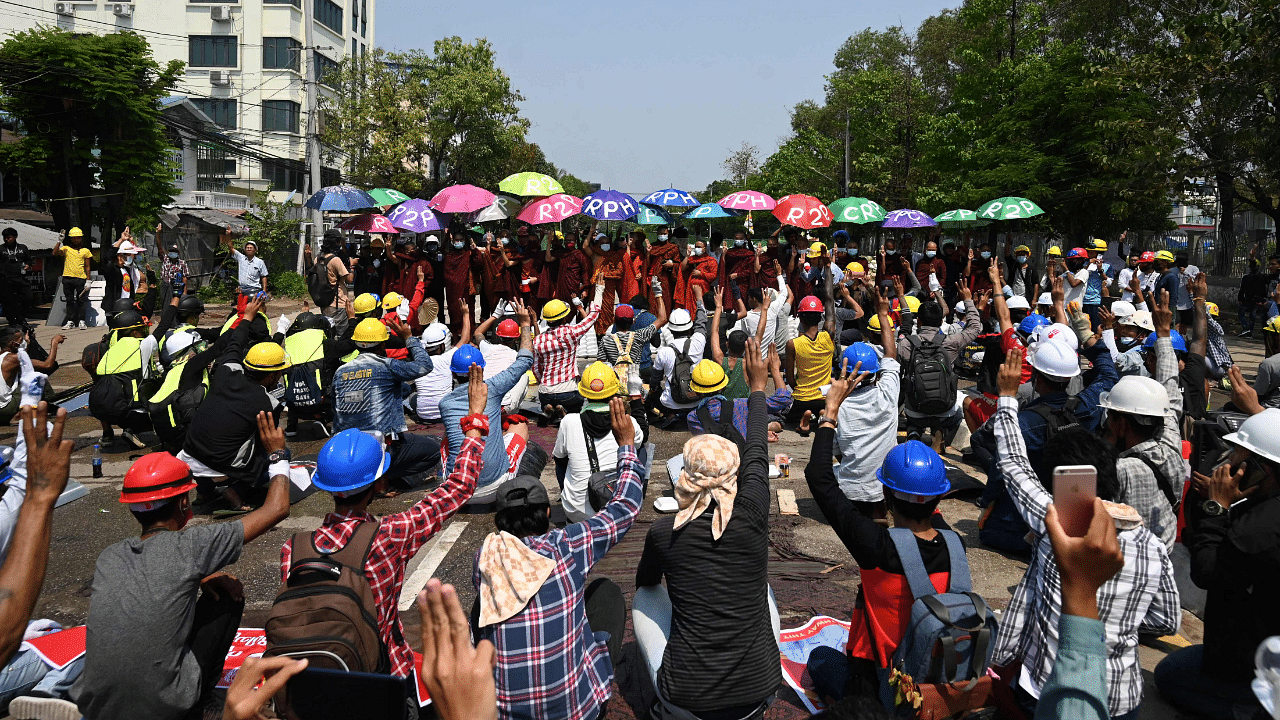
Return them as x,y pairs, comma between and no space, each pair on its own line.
1057,419
929,382
321,290
602,485
682,375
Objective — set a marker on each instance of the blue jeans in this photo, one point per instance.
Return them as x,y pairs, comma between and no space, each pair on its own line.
570,401
1181,680
1247,314
26,673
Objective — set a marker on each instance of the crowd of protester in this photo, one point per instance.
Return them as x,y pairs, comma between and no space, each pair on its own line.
1096,364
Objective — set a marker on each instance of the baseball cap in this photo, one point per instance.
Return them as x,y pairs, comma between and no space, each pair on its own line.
522,491
625,312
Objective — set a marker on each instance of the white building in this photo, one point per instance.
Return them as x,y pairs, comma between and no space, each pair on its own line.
244,70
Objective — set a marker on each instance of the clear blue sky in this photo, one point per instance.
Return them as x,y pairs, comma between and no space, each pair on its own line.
638,96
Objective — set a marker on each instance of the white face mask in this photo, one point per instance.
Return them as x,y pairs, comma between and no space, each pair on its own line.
604,247
890,252
128,261
457,244
738,243
697,251
985,255
930,253
662,238
173,256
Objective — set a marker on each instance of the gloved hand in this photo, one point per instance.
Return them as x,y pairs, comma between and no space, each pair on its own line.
283,324
1079,323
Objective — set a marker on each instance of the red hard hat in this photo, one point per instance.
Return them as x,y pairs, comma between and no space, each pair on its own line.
1147,256
810,304
508,329
1078,253
156,476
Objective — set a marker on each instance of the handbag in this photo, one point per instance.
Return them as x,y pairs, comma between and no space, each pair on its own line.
601,486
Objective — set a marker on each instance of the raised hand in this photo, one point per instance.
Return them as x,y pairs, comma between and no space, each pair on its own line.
624,432
269,432
400,328
756,370
459,677
1086,563
48,455
1223,484
1010,376
477,390
1242,393
1162,316
882,302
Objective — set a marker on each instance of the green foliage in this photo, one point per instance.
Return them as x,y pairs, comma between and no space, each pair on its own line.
274,227
287,284
217,291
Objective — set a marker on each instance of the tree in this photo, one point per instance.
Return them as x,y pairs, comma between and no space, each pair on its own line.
87,108
273,226
742,163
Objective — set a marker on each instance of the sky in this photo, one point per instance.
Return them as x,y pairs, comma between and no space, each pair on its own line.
640,96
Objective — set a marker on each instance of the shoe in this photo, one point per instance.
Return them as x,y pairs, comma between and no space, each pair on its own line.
82,325
291,431
30,707
68,326
133,439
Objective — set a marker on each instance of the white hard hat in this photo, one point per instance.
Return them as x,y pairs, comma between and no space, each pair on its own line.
959,306
1140,319
1017,302
434,334
129,248
1056,360
680,320
177,344
1059,333
1122,308
1137,395
1260,434
1045,299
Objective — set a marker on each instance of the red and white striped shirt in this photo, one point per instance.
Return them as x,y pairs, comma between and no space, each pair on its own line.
554,351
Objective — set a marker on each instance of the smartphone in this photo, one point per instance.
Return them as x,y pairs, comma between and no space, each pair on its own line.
318,694
1074,488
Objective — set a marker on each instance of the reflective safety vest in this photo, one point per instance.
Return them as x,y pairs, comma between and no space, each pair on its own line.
227,325
124,360
306,383
349,356
172,407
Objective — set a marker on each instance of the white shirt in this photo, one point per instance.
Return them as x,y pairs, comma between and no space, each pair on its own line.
498,357
777,310
571,443
1123,279
434,385
665,361
1076,293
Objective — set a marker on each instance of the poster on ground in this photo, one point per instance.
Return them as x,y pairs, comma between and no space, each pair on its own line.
795,646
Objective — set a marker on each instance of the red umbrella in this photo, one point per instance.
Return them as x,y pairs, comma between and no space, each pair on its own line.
550,209
802,211
462,199
370,222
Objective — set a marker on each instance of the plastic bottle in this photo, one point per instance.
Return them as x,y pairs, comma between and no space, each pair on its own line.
97,460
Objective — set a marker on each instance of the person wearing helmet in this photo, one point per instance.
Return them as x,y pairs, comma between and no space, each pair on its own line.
555,351
316,355
709,382
1142,422
432,387
810,358
1124,337
1099,278
163,614
624,348
368,267
1142,598
1076,279
1193,370
503,451
500,345
584,445
186,357
1015,334
1168,277
1023,276
251,271
75,274
926,398
336,274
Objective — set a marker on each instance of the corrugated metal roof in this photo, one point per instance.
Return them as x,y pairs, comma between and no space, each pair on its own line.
219,218
33,237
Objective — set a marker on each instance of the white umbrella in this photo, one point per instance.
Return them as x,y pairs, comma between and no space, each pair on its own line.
501,209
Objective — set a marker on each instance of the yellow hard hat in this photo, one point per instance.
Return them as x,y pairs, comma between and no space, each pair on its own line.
1164,255
1099,245
1273,325
817,248
874,323
913,303
267,356
365,303
370,330
1055,251
376,243
707,377
554,310
1212,307
1022,248
599,382
854,267
75,232
391,301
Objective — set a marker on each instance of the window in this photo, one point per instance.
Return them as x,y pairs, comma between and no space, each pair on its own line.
364,16
355,16
295,3
280,115
324,68
213,166
175,163
221,112
329,14
212,50
284,177
280,53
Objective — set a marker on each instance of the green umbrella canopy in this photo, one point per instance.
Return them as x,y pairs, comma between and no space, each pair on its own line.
530,184
856,210
387,196
1009,208
960,219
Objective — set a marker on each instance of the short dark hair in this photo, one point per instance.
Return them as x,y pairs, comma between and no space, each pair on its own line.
930,314
756,294
737,343
1077,446
523,521
354,498
681,232
7,332
639,303
9,232
147,518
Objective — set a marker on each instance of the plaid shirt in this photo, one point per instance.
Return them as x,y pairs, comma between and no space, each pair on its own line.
554,351
1217,345
551,666
1142,596
169,268
1138,486
398,539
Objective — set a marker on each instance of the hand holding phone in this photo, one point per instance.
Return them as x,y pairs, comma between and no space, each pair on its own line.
1074,489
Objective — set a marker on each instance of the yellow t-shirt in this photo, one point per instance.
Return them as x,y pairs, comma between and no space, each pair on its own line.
813,365
73,263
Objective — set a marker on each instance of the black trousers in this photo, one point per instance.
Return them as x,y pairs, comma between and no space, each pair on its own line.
72,287
212,633
15,294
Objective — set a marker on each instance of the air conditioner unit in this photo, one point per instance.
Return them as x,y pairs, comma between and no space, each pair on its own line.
64,8
221,78
122,10
220,13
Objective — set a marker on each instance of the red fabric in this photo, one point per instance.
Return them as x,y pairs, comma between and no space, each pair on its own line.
685,282
896,266
888,600
609,266
981,409
496,278
634,269
571,275
937,266
978,278
741,262
658,256
1008,343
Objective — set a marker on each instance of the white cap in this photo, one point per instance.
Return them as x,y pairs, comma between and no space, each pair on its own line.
1045,299
1122,308
434,334
1059,333
680,320
1056,360
128,247
959,306
1017,302
1137,395
1139,319
1260,434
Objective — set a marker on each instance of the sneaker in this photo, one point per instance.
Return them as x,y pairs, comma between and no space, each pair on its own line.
68,326
291,431
30,707
82,325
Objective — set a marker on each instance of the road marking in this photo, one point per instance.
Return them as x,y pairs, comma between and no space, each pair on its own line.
429,559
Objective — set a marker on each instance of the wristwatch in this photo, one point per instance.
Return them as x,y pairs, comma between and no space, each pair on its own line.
825,419
278,455
1212,508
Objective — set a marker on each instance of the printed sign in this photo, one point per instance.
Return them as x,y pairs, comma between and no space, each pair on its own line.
795,646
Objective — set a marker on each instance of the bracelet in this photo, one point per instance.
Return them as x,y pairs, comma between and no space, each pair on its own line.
476,421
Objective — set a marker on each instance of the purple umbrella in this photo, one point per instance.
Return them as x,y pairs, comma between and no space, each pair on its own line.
609,205
415,216
908,219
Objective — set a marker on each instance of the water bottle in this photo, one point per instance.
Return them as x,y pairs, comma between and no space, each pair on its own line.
97,460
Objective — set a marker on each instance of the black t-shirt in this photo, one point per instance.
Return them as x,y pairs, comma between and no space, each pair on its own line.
1194,400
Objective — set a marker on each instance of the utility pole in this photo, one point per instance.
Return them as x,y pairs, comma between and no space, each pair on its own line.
845,191
311,94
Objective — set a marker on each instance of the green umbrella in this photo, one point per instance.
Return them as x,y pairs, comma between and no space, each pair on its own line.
1009,208
530,184
653,216
387,196
856,210
960,219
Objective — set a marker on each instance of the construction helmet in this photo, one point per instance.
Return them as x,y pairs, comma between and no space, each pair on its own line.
365,303
1055,251
1099,245
1045,299
1078,253
1175,338
508,329
155,478
267,357
127,320
1122,309
914,472
176,344
1031,323
817,248
1259,434
1164,255
861,352
1273,325
1147,256
598,382
1211,308
1139,319
1022,248
1061,334
1137,395
309,321
350,461
121,305
1056,360
463,358
391,301
434,334
75,232
707,377
874,323
554,310
855,268
913,303
680,320
370,331
809,303
190,305
1017,302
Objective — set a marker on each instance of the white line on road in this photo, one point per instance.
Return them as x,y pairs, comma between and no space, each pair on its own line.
430,557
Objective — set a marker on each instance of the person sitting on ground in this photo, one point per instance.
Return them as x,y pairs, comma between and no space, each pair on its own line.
809,361
915,478
709,638
708,381
532,582
431,388
186,357
730,363
688,342
771,313
942,426
626,346
163,615
499,346
554,353
1143,597
583,443
352,467
316,353
12,338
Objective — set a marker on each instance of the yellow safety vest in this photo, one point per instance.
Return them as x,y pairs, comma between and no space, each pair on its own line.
227,325
123,358
162,399
305,347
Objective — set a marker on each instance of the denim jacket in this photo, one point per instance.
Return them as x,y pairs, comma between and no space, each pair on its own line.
369,390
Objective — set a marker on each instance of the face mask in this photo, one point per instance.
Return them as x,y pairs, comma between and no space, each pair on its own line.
604,247
457,244
930,253
662,238
985,255
1022,259
697,251
738,243
128,261
853,251
1126,343
890,252
173,256
506,241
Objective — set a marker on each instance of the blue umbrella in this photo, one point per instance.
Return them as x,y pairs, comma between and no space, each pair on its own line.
609,205
343,198
711,211
653,216
670,197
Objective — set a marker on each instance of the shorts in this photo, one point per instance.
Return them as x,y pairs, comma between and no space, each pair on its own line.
981,409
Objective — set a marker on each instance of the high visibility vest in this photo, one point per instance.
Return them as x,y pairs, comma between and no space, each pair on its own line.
165,400
227,325
172,379
306,383
123,359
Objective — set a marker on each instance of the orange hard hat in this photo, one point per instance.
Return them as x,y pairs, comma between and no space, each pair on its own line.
156,476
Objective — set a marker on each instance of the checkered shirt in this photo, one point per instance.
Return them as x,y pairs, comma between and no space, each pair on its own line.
398,539
554,351
1217,345
1138,485
1142,596
551,665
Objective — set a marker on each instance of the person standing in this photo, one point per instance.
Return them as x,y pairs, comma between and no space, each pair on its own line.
1252,297
15,293
75,273
252,272
337,274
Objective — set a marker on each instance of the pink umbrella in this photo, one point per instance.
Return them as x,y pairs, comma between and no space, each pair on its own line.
747,200
550,209
462,199
802,211
370,222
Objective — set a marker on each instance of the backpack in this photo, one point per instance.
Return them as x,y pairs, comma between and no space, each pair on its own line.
1057,419
325,610
682,375
306,385
712,426
321,290
947,648
623,365
929,381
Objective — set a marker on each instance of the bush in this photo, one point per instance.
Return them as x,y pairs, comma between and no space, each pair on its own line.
287,284
217,291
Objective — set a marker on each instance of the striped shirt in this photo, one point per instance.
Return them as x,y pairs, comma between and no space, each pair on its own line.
554,351
1141,597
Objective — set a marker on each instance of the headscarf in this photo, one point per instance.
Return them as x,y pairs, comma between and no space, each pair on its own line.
710,473
511,574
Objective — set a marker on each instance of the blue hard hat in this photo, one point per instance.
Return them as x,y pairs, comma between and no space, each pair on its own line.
1031,322
861,352
464,357
914,469
1175,338
350,460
